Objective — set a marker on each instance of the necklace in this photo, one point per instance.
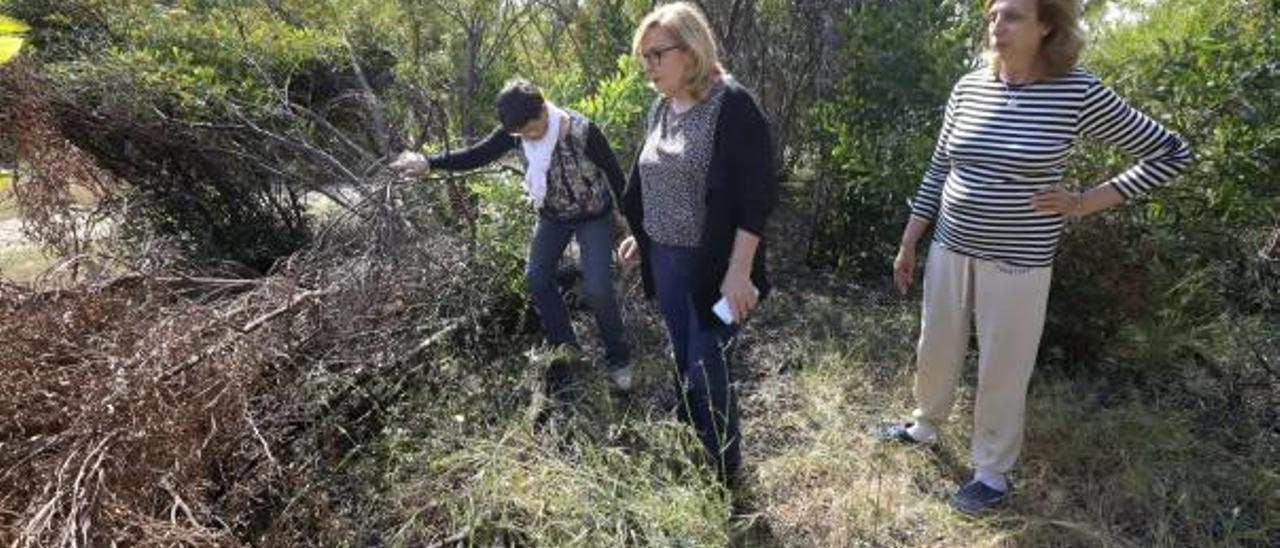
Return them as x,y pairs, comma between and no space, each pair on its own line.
1012,90
1011,94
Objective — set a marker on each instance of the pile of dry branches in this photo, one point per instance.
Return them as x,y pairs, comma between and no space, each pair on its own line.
156,408
163,406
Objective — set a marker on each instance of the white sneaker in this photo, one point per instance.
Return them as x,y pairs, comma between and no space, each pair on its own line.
923,432
622,378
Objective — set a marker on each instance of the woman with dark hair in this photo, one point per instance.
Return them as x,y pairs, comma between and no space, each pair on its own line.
992,193
571,178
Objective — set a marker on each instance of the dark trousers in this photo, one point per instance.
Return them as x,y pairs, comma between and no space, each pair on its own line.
703,381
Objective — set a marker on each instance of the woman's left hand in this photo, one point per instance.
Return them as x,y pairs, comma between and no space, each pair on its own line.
742,296
1056,199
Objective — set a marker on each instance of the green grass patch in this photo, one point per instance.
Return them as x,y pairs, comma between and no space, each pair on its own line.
537,489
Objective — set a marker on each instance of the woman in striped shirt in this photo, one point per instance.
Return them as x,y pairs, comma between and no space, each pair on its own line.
992,191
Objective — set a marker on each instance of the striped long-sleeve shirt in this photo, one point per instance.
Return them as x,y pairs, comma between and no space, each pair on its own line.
1000,144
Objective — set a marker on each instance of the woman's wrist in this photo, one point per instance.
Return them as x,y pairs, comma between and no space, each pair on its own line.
738,270
912,234
1099,198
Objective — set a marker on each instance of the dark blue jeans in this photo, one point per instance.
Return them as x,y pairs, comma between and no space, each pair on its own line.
595,241
702,359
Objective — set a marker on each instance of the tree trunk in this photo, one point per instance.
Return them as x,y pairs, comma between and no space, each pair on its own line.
470,79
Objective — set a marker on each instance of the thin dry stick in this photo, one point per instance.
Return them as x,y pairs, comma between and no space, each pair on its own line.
265,448
255,324
455,538
179,504
248,328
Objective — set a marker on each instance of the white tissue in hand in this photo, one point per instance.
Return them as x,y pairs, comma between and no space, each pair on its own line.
722,310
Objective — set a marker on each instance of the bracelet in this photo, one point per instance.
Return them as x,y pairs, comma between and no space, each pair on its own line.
1078,212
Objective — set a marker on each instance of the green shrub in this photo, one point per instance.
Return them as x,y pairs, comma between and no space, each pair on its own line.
876,131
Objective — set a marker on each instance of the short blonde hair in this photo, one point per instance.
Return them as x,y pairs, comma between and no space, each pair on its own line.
686,23
1060,49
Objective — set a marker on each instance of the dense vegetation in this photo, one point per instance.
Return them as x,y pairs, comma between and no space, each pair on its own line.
294,348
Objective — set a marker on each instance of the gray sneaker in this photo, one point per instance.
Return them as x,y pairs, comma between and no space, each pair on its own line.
898,432
622,377
977,498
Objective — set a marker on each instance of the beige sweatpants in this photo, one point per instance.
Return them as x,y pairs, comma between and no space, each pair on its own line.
1006,304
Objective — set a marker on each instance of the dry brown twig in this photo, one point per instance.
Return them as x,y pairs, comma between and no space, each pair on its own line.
50,169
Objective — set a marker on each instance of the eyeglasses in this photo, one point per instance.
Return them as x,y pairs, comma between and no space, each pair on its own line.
654,55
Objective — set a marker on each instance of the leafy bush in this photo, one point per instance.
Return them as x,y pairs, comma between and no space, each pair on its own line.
1210,71
875,133
619,106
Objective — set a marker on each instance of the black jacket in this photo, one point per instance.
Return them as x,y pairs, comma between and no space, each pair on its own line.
500,142
742,190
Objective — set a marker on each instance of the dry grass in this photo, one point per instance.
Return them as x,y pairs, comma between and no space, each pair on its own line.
547,487
824,363
22,263
1100,468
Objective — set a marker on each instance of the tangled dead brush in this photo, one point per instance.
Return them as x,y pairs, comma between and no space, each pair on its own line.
107,386
170,407
156,409
51,168
162,409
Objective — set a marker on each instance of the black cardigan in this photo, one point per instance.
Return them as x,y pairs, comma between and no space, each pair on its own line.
741,192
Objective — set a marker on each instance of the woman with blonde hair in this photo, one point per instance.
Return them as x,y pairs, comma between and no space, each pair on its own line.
992,193
697,201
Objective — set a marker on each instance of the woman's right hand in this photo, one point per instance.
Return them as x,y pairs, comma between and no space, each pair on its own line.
629,252
904,267
410,165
